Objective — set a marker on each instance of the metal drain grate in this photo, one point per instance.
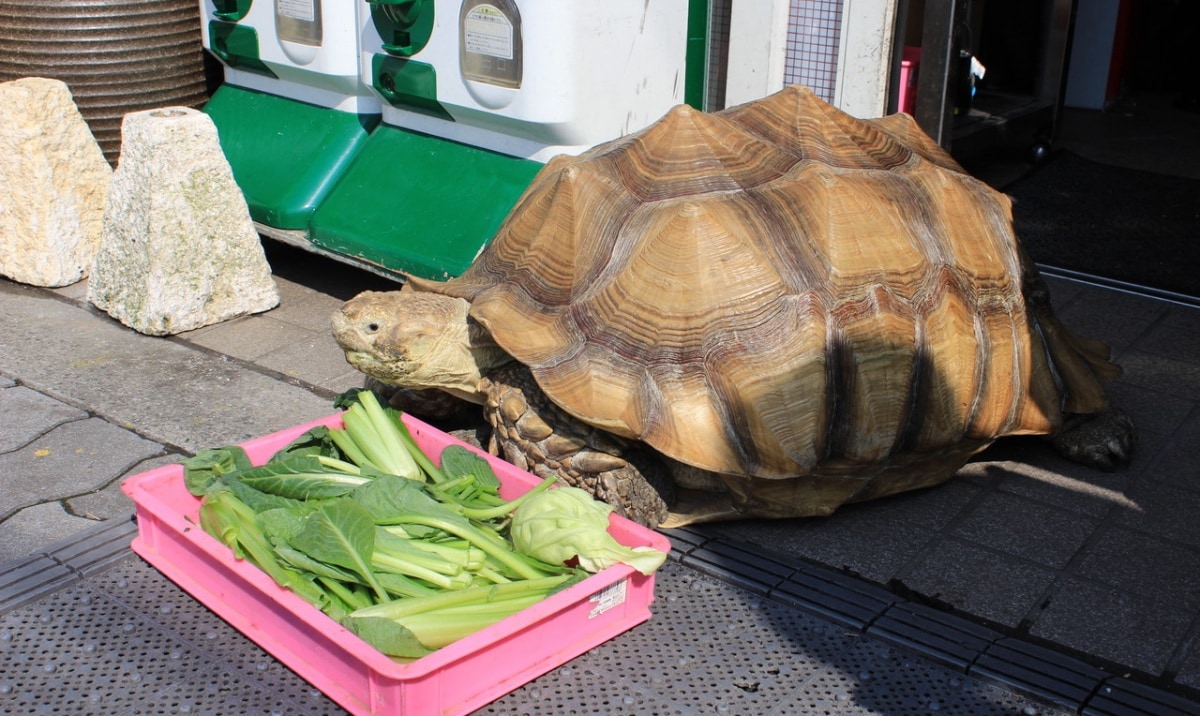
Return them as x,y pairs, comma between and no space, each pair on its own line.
129,642
91,551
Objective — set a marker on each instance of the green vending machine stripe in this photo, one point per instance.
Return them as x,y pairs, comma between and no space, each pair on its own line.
231,10
419,205
695,86
407,84
236,46
285,154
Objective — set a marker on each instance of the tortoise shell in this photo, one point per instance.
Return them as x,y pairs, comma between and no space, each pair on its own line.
773,290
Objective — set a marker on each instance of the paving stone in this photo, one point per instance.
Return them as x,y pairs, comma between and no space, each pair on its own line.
1152,411
1150,448
1062,291
1189,670
26,414
175,394
1093,320
246,338
315,359
1043,534
1113,624
305,309
1091,493
1049,479
76,292
978,581
110,502
1176,462
34,527
1172,341
1181,378
1120,303
1143,564
1164,510
858,540
930,508
77,457
1183,317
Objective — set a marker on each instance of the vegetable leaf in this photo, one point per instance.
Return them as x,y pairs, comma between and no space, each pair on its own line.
388,636
458,461
341,533
231,521
258,500
208,466
389,499
300,478
314,442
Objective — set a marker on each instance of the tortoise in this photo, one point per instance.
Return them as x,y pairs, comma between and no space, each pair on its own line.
763,312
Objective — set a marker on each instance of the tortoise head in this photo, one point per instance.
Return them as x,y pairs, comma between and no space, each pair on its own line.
414,339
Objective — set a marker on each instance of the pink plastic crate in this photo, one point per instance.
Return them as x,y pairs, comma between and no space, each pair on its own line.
455,679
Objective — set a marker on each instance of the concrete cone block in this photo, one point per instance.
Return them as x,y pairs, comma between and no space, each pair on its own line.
179,250
53,181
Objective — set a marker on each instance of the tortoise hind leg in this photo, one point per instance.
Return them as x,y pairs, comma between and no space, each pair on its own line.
1093,432
1099,440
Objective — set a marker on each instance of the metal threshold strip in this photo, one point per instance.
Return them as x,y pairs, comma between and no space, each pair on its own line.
1122,286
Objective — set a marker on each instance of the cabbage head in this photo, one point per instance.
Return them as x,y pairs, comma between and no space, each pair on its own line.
564,523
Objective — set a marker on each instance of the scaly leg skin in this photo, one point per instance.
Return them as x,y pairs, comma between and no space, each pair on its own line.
1099,440
536,435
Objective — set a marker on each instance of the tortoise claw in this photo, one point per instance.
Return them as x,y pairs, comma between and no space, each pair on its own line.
1100,440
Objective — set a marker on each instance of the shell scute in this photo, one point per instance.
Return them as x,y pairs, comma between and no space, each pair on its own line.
690,152
865,241
950,358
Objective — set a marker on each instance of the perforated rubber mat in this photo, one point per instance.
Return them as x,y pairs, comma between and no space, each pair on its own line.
88,628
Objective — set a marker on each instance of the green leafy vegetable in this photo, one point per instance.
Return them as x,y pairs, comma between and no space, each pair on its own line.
341,533
377,438
411,627
207,467
231,521
300,478
567,523
357,520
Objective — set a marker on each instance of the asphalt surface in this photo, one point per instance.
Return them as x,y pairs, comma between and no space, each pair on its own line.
1040,584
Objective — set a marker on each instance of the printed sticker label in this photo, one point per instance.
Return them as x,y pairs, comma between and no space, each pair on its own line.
607,598
299,9
487,31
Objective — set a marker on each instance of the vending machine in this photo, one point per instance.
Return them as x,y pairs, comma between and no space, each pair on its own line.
407,156
476,95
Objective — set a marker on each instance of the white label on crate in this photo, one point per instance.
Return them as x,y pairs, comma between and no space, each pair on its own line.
487,31
299,9
607,598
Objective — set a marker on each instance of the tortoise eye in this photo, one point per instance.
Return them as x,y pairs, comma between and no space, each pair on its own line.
372,327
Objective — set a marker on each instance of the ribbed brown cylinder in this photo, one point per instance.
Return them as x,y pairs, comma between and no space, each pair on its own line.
117,57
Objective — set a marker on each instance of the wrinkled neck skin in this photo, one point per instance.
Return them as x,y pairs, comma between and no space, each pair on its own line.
462,360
